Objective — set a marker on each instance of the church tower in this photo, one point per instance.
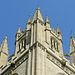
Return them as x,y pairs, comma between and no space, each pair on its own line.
38,50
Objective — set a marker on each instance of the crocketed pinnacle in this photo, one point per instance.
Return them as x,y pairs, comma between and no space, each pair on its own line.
58,30
4,46
29,20
38,15
47,20
72,40
19,30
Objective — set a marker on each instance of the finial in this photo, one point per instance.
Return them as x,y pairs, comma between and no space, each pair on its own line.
46,15
71,32
6,34
38,5
19,30
58,29
72,40
19,25
57,25
29,20
71,37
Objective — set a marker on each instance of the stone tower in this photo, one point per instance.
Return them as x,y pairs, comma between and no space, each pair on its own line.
38,50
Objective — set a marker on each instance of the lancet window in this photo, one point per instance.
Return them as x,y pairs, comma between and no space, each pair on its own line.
25,43
22,43
19,46
54,44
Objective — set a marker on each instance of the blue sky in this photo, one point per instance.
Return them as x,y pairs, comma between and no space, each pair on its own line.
15,12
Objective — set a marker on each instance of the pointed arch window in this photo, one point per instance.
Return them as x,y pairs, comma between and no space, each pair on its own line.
54,44
51,42
19,46
22,43
25,44
57,46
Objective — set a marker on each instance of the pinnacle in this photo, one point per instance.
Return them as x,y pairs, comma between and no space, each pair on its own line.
29,20
47,20
72,40
19,30
4,46
38,15
37,8
58,30
5,37
71,37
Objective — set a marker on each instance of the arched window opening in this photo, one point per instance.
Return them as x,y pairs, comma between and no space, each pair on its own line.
57,46
19,46
51,42
22,43
54,44
25,44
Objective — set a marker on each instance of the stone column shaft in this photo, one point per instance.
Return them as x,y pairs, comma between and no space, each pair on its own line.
29,62
31,35
34,32
47,37
37,65
33,62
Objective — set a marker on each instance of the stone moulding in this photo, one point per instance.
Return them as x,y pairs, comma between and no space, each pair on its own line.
58,63
18,61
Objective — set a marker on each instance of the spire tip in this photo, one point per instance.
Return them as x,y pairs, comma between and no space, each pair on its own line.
19,25
6,34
